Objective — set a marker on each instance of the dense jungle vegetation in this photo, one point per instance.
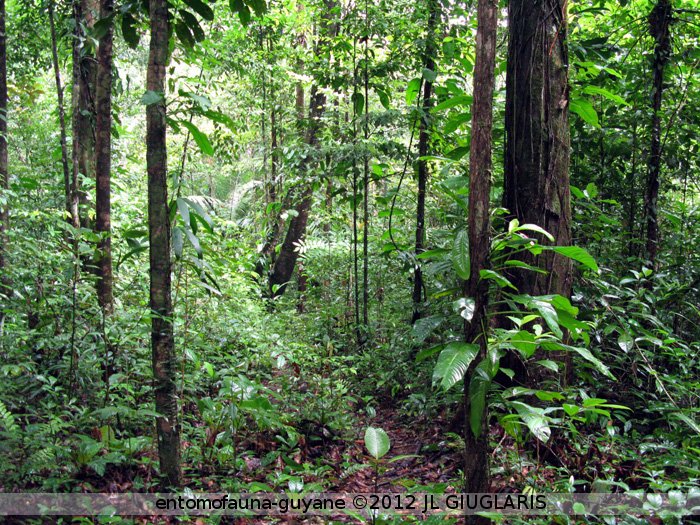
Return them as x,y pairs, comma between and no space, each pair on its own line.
350,246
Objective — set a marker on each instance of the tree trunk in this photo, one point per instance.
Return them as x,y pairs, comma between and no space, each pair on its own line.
84,75
660,20
4,176
536,185
103,154
423,140
285,262
164,365
71,203
536,181
476,466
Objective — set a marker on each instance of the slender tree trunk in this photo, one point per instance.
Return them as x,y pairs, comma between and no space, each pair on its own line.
536,185
367,188
422,165
84,78
4,176
632,198
286,261
71,213
476,465
659,27
536,181
103,155
162,341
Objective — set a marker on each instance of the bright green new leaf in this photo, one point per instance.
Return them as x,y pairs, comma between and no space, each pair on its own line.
577,254
584,109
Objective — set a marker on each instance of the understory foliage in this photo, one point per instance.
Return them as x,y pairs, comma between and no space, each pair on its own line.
280,387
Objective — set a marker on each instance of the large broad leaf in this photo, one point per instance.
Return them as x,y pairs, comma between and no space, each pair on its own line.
595,90
538,426
460,255
584,109
200,138
377,442
535,420
201,9
577,254
453,363
412,90
524,341
549,314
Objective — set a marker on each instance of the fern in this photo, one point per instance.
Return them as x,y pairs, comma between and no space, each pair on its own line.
8,420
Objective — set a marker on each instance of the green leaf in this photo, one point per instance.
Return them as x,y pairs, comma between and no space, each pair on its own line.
524,341
478,391
184,34
412,90
501,281
384,99
358,100
377,442
625,342
549,314
595,90
201,9
459,100
457,121
532,227
152,97
538,426
453,363
577,254
200,138
131,36
460,255
191,21
588,356
584,109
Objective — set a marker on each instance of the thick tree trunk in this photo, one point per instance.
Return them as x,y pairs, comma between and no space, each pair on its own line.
164,365
422,168
536,185
476,466
536,182
103,164
659,27
71,203
4,176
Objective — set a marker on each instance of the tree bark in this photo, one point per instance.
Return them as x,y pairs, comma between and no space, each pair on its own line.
103,162
476,466
536,181
660,20
285,262
536,185
422,165
164,364
84,78
4,175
